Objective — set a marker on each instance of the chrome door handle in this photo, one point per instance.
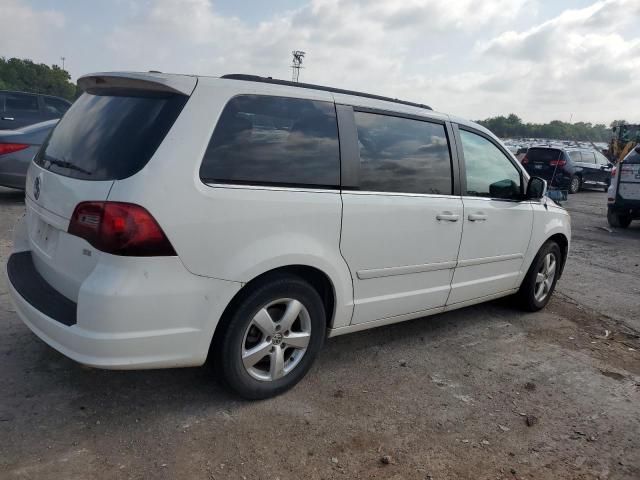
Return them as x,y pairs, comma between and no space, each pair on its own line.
477,217
8,118
448,217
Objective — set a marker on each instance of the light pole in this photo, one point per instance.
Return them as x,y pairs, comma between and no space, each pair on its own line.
63,59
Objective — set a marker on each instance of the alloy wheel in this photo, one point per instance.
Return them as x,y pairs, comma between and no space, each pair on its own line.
276,339
544,278
575,184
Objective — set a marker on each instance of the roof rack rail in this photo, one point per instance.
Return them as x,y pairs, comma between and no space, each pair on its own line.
256,78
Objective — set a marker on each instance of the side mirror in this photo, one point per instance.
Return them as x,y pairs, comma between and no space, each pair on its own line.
504,189
536,188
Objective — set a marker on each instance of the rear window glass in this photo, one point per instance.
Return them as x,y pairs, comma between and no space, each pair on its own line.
543,155
274,141
109,134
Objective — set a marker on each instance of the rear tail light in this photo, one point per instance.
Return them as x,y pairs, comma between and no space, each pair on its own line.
524,160
12,147
558,163
120,229
614,172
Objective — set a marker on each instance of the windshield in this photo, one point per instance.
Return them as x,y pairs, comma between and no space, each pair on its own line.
109,134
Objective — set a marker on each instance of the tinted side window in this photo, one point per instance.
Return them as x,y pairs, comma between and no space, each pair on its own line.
601,159
575,156
588,157
403,155
274,140
21,102
55,106
489,172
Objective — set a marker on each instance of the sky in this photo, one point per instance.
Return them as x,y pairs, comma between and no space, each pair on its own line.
543,60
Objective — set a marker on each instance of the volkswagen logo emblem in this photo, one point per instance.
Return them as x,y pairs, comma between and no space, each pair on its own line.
36,188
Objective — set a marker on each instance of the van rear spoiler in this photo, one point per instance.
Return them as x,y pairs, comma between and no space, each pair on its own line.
151,81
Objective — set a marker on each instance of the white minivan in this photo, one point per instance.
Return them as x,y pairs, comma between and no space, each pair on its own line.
175,218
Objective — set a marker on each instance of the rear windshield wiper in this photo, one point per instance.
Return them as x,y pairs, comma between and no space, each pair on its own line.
69,165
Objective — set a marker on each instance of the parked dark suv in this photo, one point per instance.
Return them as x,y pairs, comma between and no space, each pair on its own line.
19,109
569,168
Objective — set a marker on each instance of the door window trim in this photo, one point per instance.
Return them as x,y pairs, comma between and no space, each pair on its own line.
350,151
463,169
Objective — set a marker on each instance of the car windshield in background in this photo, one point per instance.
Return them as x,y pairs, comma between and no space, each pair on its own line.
109,134
543,155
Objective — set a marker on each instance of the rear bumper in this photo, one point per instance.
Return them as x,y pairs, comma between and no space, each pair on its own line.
123,322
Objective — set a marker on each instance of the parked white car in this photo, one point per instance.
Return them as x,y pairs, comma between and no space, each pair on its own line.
172,218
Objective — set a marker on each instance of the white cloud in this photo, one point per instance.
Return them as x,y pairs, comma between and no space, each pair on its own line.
27,32
461,56
579,61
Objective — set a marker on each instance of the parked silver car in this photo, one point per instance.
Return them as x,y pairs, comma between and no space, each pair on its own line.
17,149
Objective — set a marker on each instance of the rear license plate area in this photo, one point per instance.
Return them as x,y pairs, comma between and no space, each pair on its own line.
43,235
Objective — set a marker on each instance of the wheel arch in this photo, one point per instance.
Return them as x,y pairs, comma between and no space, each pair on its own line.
317,278
563,243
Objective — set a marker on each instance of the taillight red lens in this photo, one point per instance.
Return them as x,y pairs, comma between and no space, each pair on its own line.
12,147
120,229
614,172
525,160
557,163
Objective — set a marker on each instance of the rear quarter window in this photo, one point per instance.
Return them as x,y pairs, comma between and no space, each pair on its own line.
268,140
109,134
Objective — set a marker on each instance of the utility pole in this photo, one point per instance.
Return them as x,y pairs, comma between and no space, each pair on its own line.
63,59
298,55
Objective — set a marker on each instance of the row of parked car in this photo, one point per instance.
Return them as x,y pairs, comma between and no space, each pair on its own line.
25,121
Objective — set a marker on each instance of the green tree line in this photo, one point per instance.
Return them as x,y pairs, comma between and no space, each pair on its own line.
26,76
512,126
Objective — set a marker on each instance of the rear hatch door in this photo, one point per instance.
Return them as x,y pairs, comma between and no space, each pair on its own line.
109,133
542,162
629,186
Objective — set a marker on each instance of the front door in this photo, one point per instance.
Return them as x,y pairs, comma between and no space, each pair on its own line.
591,172
401,227
497,222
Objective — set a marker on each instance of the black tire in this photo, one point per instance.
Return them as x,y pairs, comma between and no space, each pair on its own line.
526,294
617,219
575,185
226,349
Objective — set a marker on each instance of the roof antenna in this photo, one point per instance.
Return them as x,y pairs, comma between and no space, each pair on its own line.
298,55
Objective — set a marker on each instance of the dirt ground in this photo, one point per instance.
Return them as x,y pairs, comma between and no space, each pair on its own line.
487,392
